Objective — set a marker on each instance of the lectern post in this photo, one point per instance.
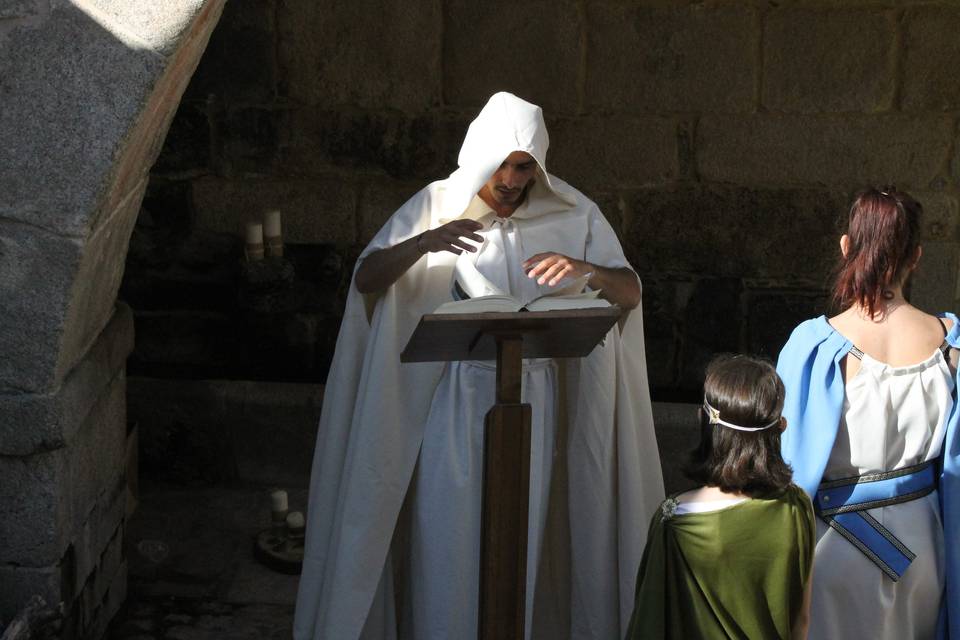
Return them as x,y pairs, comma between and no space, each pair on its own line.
508,337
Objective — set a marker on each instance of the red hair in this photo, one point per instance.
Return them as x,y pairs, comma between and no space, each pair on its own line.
884,232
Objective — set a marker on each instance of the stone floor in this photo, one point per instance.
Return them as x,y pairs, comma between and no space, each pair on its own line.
192,571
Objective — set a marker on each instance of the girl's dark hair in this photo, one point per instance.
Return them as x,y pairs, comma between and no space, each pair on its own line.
749,393
884,231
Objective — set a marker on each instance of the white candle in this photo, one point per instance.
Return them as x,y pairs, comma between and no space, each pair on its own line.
295,520
271,224
254,233
278,500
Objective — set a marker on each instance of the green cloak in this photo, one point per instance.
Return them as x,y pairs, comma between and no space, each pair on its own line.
737,572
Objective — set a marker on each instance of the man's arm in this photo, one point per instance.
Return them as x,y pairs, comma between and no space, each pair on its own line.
621,286
382,268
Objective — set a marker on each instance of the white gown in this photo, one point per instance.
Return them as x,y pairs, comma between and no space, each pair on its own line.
893,417
445,529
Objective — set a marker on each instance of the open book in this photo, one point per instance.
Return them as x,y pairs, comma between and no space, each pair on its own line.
473,293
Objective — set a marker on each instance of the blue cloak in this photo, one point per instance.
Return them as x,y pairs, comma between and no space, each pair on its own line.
809,365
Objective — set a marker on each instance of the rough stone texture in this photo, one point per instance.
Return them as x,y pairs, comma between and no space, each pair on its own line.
828,61
50,496
49,421
789,150
933,286
715,231
621,151
400,145
678,432
318,210
60,297
532,49
660,332
771,314
239,65
378,201
255,432
44,76
690,58
931,58
158,25
19,584
326,48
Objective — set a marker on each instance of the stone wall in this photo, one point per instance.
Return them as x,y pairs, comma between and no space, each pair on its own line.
88,89
722,139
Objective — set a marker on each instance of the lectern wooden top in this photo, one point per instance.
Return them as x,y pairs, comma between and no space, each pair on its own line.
569,333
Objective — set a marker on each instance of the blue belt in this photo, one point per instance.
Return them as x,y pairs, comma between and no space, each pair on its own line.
842,504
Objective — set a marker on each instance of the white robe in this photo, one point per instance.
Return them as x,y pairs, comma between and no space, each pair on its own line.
375,411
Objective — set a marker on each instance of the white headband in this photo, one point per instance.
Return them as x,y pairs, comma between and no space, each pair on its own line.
713,415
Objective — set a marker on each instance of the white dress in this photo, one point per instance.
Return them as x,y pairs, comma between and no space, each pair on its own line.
445,531
893,417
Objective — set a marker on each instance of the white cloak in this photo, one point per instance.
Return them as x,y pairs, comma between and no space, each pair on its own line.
375,409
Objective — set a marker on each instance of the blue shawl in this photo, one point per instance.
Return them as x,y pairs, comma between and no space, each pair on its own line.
809,365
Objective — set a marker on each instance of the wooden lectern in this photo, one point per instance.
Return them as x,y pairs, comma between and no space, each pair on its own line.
507,338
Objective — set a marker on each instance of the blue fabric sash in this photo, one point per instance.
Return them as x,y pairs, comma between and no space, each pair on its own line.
843,505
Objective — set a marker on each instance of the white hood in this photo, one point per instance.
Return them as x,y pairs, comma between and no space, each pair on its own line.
506,124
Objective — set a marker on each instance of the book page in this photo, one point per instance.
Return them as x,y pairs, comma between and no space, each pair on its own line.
483,304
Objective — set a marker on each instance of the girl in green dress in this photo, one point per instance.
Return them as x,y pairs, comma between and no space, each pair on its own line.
732,558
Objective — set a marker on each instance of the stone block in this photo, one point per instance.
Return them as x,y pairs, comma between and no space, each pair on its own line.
712,322
908,151
19,584
678,432
47,495
369,53
400,145
239,65
319,210
248,141
941,216
698,57
36,276
735,232
379,200
538,54
41,422
660,333
59,131
176,342
614,151
257,432
827,61
159,25
772,314
934,284
96,282
59,294
931,58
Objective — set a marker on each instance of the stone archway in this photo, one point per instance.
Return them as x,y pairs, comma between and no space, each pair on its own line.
88,89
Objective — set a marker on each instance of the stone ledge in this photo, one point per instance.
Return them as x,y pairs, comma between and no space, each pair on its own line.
54,418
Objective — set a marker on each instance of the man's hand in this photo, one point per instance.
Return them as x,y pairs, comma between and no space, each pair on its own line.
450,237
619,286
550,268
382,268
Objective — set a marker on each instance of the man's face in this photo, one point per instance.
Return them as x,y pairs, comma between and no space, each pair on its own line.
508,185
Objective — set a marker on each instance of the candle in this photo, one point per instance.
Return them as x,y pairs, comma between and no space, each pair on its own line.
295,520
271,229
271,224
278,500
254,233
254,241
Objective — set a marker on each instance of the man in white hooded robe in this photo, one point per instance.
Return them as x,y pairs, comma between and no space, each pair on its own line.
410,436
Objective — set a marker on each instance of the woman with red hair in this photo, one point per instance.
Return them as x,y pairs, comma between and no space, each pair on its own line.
871,400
